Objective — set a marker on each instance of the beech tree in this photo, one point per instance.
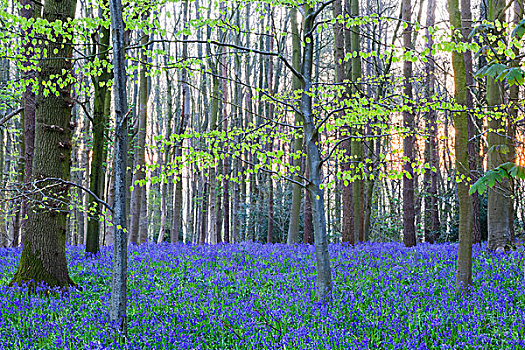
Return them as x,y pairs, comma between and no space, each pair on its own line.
464,268
43,256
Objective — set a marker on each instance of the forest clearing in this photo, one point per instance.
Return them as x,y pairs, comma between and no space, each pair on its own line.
262,174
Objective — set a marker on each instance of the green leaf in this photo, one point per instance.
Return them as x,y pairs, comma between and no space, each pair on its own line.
496,69
516,76
517,171
519,30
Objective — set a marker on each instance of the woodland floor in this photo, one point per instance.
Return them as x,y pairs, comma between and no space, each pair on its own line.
253,296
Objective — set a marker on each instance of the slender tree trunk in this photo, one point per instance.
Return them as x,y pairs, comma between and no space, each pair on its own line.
339,55
43,256
119,275
177,203
166,157
297,191
226,161
430,177
513,115
308,230
357,145
3,214
464,266
311,134
466,18
348,232
138,195
409,229
99,155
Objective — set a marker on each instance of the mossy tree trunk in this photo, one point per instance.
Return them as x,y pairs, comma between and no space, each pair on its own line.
43,256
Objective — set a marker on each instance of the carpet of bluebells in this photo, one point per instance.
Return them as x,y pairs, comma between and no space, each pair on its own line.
253,296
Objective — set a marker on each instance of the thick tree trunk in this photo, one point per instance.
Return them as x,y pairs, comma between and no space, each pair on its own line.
464,266
43,256
409,228
499,197
28,10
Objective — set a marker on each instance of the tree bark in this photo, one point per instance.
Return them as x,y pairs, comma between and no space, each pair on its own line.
431,157
464,265
311,134
357,148
409,229
226,161
138,195
43,256
28,10
297,191
348,231
499,197
473,148
97,173
119,269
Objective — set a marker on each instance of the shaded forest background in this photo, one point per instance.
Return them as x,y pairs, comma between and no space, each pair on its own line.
217,150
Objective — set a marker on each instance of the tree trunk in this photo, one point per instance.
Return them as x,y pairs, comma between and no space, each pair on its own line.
339,55
311,134
120,266
43,256
28,10
464,266
431,158
499,197
348,232
357,148
4,235
308,230
297,191
138,195
466,20
97,173
409,229
226,161
177,202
